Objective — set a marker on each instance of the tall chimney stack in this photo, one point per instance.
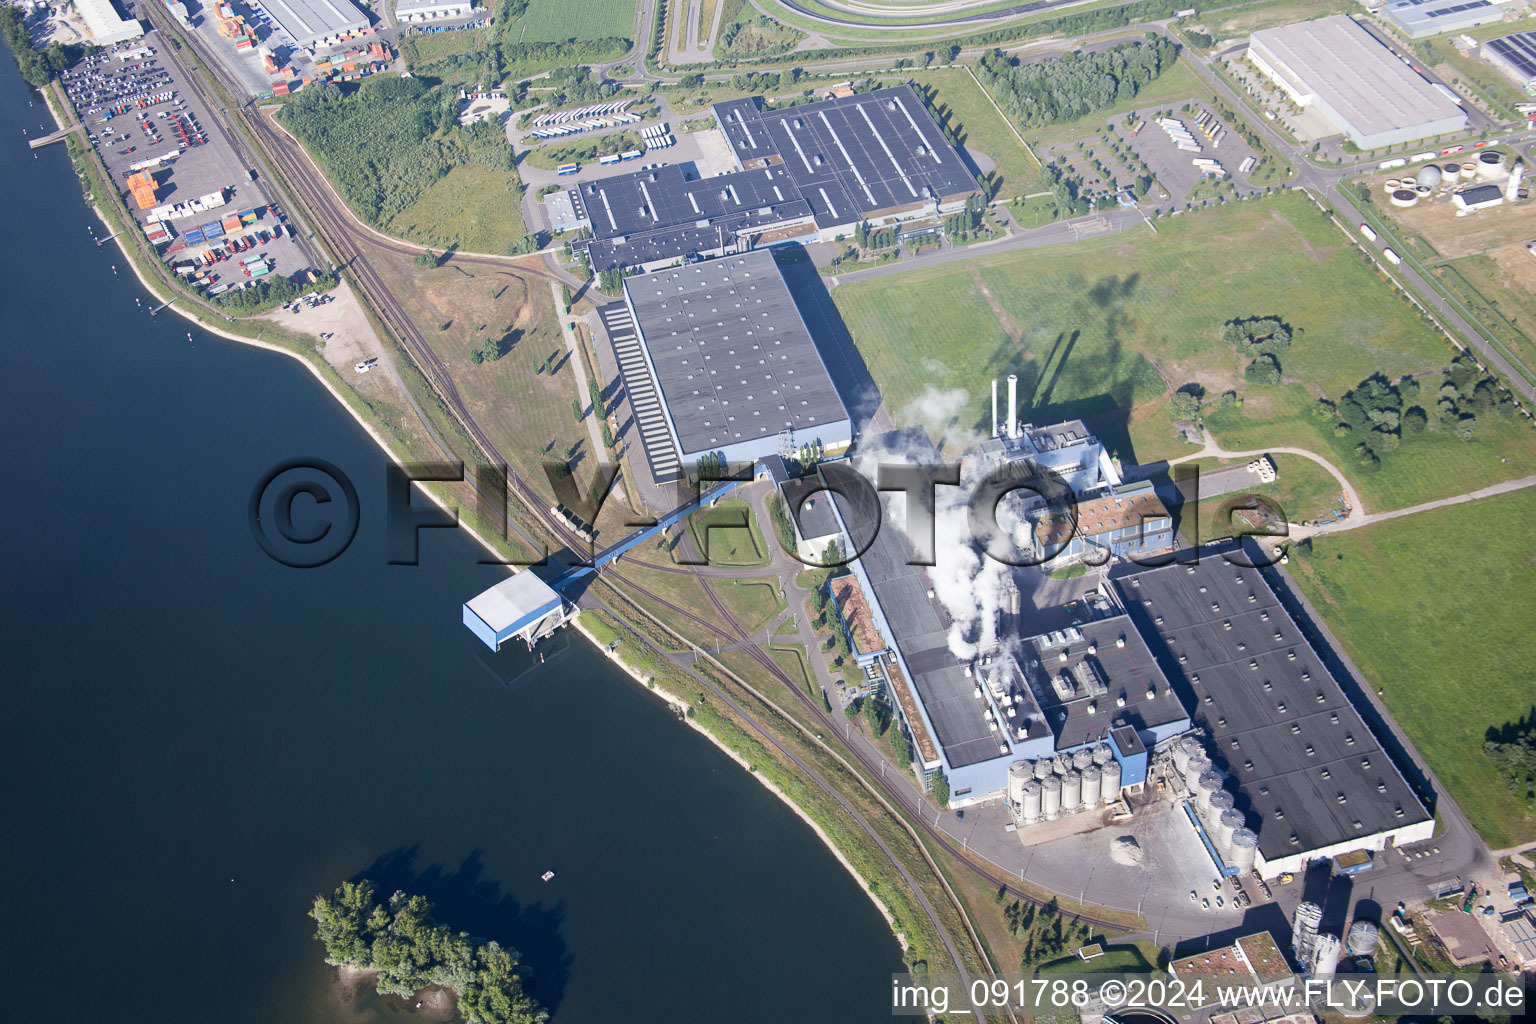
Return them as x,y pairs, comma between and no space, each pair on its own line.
1512,190
994,406
1013,405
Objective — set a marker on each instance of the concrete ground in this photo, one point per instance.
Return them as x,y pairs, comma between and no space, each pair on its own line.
1172,166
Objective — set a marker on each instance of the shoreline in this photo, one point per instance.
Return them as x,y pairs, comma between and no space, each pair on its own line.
671,699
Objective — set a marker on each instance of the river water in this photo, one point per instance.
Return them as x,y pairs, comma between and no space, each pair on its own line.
195,739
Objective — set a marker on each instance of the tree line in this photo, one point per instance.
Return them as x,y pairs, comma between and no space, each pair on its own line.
400,940
38,67
1054,91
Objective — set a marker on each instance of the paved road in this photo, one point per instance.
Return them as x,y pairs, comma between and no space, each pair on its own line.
1355,522
1214,450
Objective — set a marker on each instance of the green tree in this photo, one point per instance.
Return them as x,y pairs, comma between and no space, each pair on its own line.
1185,402
1263,371
939,787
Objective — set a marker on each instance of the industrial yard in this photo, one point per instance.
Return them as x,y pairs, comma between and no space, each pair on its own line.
188,189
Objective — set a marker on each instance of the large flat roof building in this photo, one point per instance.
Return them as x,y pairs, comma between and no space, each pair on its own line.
733,361
315,23
1515,55
426,10
1419,18
105,25
1308,775
1354,81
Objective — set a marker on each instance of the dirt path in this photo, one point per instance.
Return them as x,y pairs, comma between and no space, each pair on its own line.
1004,318
1214,450
1355,522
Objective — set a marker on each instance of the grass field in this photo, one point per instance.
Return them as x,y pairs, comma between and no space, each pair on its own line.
1303,490
792,659
1225,24
753,602
1175,85
959,99
1105,328
473,206
1500,287
1435,611
554,21
727,534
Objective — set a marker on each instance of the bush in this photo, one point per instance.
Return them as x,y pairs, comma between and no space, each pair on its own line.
1263,372
1185,402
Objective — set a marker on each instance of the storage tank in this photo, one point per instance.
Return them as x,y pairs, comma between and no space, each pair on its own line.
1363,939
1093,784
1210,781
1071,791
1245,846
1082,757
1220,801
1043,768
1428,176
1063,764
1050,796
1102,755
1226,827
1183,750
1404,197
1392,184
1326,955
1450,174
1490,164
1031,801
1018,773
1468,171
1109,786
1199,764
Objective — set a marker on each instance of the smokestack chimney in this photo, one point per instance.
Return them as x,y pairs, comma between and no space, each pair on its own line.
1512,190
994,406
1013,405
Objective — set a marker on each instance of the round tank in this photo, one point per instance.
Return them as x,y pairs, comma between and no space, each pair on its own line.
1428,176
1227,825
1423,191
1063,764
1031,802
1404,197
1392,184
1018,773
1183,750
1198,765
1043,768
1071,791
1221,800
1102,755
1450,174
1092,785
1245,846
1082,758
1209,783
1050,796
1326,954
1363,939
1490,164
1109,787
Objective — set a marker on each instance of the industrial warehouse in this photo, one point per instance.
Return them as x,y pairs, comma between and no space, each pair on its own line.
316,23
1355,82
1419,18
805,173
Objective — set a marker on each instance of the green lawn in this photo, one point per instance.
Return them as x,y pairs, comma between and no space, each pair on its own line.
962,103
1115,960
727,534
752,603
554,21
1104,328
792,659
1303,490
474,206
1435,610
1240,22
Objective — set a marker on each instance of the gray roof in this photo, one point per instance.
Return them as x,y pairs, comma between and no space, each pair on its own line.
1127,673
1429,17
309,21
1354,76
1303,761
731,356
853,155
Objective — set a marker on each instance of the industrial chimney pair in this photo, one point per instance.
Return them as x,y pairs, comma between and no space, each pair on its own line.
1011,429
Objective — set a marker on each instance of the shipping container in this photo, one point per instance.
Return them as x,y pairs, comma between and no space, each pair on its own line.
1392,257
230,223
1365,229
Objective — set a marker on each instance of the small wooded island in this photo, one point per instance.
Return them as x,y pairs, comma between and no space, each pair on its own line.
409,951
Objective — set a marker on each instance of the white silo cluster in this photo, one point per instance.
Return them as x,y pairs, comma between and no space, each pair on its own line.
1236,845
1051,787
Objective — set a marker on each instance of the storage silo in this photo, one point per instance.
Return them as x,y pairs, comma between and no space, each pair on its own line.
1031,801
1429,176
1082,757
1245,847
1109,785
1102,755
1490,164
1363,939
1063,764
1050,796
1018,773
1093,785
1326,956
1071,791
1187,748
1210,781
1226,827
1450,174
1198,766
1044,768
1221,801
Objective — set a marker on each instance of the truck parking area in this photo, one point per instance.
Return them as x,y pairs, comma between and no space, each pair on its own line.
1175,167
185,184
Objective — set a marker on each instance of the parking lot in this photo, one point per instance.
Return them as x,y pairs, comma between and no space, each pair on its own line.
1174,168
139,111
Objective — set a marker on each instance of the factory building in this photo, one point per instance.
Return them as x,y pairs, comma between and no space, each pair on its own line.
1419,18
1355,82
314,24
521,606
427,10
736,368
1304,770
807,173
1478,197
1253,960
1515,55
105,25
